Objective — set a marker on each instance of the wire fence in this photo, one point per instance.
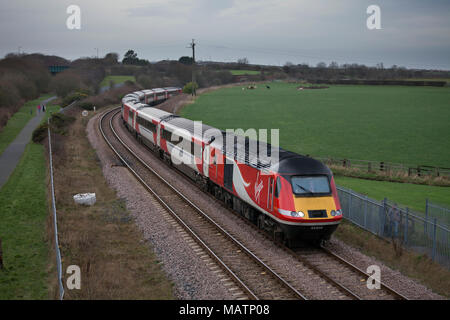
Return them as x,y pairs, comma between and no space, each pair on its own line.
388,167
424,235
68,107
55,223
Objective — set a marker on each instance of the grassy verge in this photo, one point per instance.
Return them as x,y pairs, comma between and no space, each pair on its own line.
18,121
102,240
414,265
23,220
116,79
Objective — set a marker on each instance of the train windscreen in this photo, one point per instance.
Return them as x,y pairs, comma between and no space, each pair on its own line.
307,185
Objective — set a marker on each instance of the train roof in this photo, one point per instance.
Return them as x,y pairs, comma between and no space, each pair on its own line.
291,163
154,113
187,125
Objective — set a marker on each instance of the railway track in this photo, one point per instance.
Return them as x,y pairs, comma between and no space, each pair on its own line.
341,279
250,273
343,272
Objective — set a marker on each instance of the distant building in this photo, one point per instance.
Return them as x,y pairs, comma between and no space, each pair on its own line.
56,69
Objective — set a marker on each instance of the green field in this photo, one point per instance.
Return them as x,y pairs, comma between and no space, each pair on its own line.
116,79
19,120
244,72
408,125
22,229
405,194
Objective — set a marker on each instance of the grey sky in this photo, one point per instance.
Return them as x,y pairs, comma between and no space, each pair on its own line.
414,33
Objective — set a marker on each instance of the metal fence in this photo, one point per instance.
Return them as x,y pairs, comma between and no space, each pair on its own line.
55,223
408,228
440,212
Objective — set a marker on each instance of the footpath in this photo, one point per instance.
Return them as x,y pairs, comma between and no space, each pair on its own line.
12,154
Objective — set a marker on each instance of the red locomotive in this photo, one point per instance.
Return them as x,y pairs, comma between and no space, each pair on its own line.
294,197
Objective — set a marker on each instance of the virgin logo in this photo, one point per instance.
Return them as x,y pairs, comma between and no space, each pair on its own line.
258,187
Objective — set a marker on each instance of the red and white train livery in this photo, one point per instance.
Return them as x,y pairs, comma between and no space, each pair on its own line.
294,197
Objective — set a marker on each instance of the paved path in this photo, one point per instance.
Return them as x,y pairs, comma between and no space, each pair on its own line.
12,154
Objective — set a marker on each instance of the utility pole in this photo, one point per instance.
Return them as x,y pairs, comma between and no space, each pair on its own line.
192,45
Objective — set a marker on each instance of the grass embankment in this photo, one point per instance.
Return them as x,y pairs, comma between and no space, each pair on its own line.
23,215
102,240
116,79
19,120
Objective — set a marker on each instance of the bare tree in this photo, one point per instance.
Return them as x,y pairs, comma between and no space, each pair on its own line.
243,60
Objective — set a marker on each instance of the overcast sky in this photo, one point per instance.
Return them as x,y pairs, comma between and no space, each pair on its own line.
413,33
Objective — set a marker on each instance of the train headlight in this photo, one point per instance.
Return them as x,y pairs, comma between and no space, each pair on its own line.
284,212
336,213
297,214
294,214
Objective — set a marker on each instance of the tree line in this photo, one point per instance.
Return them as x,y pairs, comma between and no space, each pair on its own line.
26,76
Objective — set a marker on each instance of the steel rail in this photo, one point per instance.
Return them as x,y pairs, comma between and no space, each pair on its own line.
353,267
200,212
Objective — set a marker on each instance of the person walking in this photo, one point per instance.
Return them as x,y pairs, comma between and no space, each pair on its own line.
39,108
43,108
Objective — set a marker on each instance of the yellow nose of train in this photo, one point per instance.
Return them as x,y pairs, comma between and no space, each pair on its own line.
315,207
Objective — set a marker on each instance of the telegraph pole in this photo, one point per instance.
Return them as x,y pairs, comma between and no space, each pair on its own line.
192,45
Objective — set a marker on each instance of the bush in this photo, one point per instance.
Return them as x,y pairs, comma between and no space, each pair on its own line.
189,87
86,105
40,133
58,123
78,95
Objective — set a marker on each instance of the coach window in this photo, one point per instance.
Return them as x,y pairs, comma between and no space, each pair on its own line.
278,189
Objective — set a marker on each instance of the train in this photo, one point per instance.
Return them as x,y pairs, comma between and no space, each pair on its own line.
292,197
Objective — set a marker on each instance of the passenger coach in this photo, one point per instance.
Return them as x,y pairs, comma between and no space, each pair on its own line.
293,198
